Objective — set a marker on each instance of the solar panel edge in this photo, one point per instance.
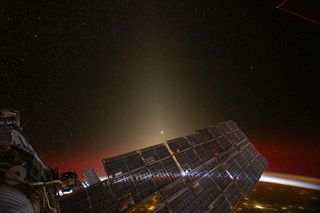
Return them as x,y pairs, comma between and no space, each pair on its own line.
122,157
236,148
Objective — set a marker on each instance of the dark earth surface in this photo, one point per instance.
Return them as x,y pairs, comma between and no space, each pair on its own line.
270,197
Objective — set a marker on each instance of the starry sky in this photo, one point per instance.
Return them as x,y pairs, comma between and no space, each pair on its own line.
94,79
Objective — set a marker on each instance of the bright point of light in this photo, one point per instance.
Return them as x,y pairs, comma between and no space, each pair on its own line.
68,192
258,207
151,208
103,178
60,192
184,173
161,132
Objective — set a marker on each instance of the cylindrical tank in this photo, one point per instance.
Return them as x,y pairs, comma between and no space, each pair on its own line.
14,201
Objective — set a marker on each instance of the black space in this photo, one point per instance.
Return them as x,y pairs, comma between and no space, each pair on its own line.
77,68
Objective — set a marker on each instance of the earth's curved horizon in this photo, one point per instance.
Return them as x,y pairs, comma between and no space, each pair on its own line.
283,193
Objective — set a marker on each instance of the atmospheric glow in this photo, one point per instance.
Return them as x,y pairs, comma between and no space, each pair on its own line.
289,182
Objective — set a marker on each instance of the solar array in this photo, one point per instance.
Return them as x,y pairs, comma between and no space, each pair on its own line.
208,171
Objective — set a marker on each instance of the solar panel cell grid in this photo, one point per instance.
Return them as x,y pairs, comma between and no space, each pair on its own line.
176,204
205,151
206,191
191,203
233,168
144,183
220,177
240,135
223,157
212,189
225,128
178,144
232,194
74,199
204,199
260,169
241,160
205,134
232,138
188,160
115,165
255,170
247,157
217,147
194,139
215,131
171,167
225,144
197,173
154,153
161,177
124,187
211,164
99,187
221,205
252,149
232,125
133,160
219,164
245,183
185,202
173,188
250,171
125,202
96,198
262,160
163,152
101,194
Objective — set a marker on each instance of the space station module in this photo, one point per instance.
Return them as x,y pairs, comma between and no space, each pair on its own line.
21,170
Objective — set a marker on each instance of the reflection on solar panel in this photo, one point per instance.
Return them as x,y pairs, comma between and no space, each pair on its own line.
208,171
96,198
